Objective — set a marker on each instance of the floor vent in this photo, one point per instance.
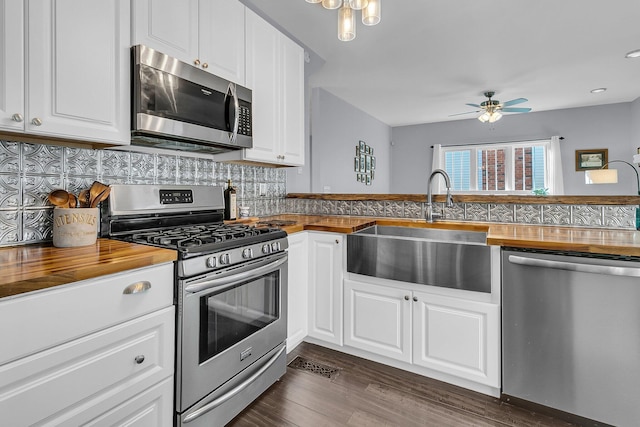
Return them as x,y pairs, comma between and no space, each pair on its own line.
314,367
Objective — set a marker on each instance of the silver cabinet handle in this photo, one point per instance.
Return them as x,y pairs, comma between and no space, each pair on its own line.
17,117
139,359
406,297
138,287
219,401
36,122
576,266
415,299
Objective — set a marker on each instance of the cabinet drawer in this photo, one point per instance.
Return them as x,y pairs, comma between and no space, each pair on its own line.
107,367
35,322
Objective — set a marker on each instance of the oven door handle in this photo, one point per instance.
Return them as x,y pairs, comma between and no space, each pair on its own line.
222,283
233,392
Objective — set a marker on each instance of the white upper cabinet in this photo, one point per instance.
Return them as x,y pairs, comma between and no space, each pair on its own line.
207,34
67,75
275,74
12,66
77,63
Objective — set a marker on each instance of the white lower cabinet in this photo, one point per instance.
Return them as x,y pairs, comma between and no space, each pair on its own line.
378,319
326,261
109,359
297,283
455,336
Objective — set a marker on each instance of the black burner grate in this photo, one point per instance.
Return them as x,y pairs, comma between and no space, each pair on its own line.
314,367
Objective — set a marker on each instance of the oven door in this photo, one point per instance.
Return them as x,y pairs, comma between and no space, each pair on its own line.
227,321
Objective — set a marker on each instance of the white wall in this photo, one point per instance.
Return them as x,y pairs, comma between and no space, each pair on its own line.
604,126
336,128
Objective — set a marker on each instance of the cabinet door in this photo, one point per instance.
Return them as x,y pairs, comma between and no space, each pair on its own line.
458,337
292,145
378,319
169,26
72,383
298,284
78,72
325,286
11,66
221,45
263,78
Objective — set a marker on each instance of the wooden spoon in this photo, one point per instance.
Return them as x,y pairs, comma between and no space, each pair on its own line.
95,190
83,198
73,201
100,197
59,198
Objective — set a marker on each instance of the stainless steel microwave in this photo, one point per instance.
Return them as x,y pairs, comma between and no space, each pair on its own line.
178,106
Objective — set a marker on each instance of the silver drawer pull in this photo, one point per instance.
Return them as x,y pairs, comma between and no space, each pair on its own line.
139,359
136,288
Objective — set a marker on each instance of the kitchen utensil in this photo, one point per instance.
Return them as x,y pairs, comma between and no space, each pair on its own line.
73,201
83,198
59,198
100,197
94,192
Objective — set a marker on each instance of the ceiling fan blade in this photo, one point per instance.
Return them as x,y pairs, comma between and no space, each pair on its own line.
516,110
473,105
468,112
515,101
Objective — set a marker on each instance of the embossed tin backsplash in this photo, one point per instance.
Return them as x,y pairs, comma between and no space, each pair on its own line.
29,172
606,216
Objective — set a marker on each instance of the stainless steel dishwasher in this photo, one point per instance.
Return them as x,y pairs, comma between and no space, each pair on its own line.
571,333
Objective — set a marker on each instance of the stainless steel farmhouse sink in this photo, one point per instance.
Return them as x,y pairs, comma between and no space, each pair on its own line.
456,259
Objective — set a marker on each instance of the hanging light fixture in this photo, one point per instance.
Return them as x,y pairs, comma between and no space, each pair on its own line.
346,22
332,4
358,4
347,15
371,13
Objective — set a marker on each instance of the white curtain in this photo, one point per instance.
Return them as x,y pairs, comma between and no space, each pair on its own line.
436,164
556,180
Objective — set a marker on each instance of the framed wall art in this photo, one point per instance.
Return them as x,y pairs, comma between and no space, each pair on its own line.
364,163
591,159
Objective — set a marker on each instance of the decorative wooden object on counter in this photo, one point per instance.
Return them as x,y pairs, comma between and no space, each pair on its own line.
40,266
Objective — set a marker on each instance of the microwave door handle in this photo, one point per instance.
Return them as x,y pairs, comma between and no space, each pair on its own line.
236,107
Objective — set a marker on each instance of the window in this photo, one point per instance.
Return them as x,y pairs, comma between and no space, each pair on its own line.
520,167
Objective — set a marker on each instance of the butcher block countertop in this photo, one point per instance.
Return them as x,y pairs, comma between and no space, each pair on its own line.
39,266
590,240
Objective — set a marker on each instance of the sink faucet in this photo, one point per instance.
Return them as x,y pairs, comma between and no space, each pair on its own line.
429,215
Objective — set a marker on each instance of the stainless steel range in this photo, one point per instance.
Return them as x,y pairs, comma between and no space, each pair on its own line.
231,294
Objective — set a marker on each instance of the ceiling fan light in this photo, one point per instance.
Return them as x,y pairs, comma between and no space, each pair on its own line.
358,4
495,116
371,13
633,54
331,4
346,23
314,1
484,117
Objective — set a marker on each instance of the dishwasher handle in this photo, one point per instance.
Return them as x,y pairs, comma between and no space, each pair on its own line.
576,266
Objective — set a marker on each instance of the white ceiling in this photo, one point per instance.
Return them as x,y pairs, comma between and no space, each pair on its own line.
428,58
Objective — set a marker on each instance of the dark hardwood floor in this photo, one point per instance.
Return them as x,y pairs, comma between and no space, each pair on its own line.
365,393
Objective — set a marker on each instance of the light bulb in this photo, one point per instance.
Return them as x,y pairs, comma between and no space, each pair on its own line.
495,116
331,4
346,23
484,117
371,13
358,4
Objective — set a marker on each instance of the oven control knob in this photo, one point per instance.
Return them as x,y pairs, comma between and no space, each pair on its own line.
212,262
266,249
247,253
275,246
224,259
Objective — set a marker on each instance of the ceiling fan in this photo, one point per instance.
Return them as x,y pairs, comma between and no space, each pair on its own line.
492,109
